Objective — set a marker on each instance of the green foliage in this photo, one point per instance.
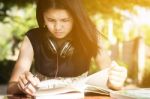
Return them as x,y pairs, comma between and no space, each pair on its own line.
145,31
14,27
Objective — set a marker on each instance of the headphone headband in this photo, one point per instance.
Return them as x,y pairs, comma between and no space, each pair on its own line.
65,50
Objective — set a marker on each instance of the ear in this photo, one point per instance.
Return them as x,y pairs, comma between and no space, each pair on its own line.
44,26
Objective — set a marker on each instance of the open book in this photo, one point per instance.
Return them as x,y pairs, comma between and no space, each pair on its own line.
137,93
54,88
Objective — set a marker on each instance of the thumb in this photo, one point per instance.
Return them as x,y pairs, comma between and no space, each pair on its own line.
114,64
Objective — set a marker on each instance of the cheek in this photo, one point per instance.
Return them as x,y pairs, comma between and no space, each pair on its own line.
50,27
69,27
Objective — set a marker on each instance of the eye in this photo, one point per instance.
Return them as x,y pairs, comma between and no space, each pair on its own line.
66,20
51,20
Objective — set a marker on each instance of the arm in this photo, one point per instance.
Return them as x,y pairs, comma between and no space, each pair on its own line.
117,74
22,67
102,59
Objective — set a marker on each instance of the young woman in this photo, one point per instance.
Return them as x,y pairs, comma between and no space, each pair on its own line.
62,46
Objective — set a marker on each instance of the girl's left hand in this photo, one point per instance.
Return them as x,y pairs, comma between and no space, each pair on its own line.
117,76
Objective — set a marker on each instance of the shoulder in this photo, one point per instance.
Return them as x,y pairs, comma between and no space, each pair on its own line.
34,36
33,31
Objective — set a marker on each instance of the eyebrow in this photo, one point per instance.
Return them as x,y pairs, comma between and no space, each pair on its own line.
60,18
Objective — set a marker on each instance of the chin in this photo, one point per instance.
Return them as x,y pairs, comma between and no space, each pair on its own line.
59,37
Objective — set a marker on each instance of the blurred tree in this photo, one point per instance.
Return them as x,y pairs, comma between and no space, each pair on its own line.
106,7
16,16
6,5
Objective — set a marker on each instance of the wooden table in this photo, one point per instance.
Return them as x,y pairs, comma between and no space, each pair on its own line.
3,95
21,97
24,97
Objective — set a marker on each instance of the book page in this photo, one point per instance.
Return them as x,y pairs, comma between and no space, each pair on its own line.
138,93
70,95
54,91
57,89
99,80
60,85
96,83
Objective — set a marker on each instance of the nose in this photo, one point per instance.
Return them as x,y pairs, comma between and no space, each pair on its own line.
58,26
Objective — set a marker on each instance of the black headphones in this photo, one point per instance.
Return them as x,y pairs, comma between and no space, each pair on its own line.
65,50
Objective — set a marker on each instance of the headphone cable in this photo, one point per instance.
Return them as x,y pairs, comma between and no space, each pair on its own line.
56,66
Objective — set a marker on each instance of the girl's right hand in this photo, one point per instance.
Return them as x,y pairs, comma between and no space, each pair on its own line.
25,78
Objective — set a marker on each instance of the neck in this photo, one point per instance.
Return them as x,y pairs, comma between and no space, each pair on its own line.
62,40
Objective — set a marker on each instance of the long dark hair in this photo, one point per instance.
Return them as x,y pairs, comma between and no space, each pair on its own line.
84,32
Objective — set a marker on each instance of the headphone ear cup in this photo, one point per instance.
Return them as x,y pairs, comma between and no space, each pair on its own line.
52,46
66,50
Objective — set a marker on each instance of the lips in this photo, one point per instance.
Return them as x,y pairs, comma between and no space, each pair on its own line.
58,34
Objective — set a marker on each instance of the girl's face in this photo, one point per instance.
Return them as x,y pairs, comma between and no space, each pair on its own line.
59,22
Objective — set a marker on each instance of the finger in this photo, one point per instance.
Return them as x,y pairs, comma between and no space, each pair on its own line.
22,89
21,84
115,66
122,72
28,91
116,78
23,79
117,73
37,81
115,85
30,77
118,68
31,88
